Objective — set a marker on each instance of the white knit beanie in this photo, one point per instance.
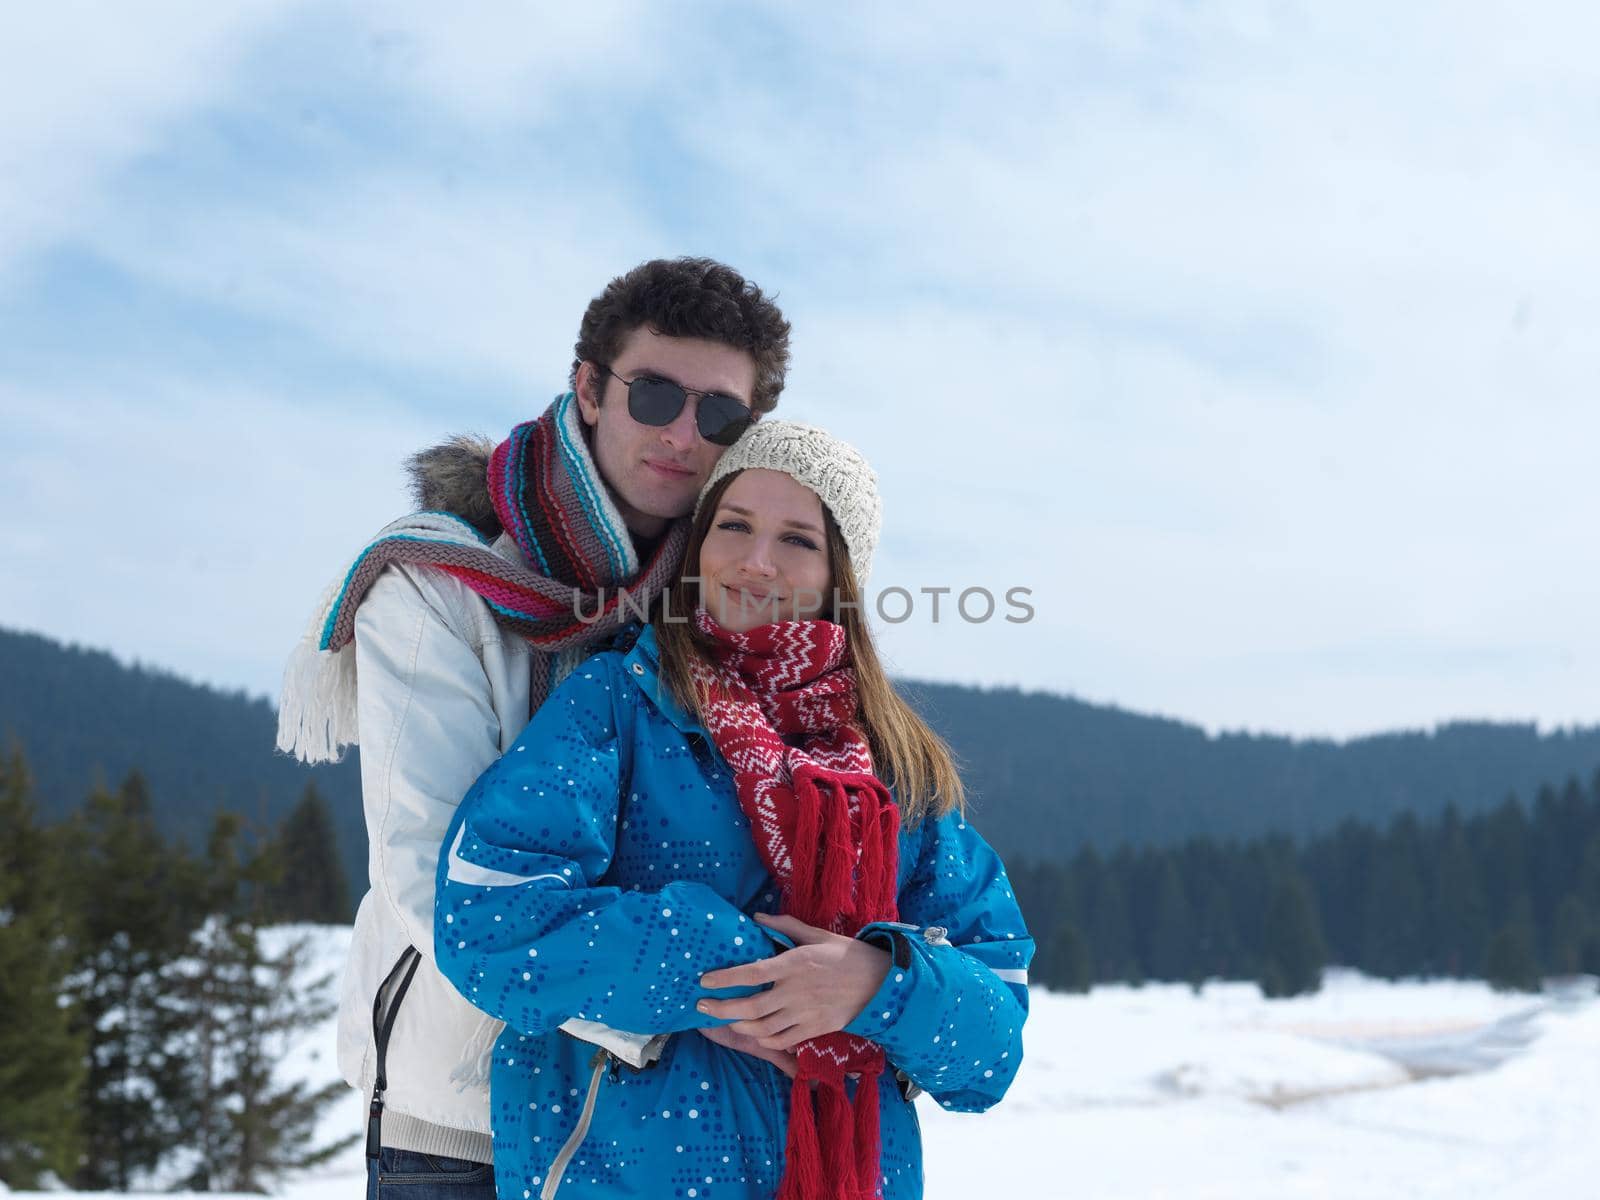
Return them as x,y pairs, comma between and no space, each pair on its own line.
834,470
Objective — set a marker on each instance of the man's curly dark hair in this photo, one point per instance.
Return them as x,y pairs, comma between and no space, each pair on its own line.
690,298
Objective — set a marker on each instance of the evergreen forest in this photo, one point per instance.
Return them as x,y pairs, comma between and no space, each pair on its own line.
142,1013
1510,895
1048,775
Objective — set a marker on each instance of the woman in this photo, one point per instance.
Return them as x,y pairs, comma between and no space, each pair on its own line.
693,842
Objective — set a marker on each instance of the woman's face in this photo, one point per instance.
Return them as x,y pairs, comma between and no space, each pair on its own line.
765,555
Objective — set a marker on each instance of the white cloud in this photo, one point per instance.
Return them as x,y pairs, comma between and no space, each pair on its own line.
396,269
492,64
192,527
1211,558
88,88
1256,337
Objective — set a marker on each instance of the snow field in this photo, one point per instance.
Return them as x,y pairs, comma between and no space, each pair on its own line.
1158,1092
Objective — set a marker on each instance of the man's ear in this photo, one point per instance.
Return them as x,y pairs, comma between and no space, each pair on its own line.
590,385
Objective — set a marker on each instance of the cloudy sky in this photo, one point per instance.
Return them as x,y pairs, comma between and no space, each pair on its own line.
1257,339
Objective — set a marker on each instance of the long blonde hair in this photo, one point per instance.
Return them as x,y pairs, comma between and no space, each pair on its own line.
907,755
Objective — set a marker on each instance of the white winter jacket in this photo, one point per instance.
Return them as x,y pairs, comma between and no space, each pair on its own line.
442,692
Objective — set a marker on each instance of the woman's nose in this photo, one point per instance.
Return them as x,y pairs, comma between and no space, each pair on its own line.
758,560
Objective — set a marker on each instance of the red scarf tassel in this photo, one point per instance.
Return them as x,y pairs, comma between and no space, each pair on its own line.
802,1169
866,1135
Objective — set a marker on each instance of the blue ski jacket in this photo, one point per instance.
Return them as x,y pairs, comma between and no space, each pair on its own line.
599,868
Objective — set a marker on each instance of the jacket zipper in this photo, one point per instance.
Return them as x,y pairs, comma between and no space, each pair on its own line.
602,1058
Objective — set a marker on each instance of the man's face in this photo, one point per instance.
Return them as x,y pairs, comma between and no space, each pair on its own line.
656,471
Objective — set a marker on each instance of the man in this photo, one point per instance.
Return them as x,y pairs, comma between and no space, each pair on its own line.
434,649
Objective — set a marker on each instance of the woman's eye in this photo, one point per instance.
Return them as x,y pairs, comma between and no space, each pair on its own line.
733,526
799,539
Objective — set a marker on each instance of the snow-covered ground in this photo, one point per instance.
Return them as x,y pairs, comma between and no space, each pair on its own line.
1368,1089
1157,1092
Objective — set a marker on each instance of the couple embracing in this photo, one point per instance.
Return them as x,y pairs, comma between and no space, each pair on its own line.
684,906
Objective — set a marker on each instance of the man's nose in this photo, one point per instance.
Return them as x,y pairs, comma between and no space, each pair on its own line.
681,434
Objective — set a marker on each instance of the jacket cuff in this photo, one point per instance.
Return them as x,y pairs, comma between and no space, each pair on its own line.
889,1002
638,1050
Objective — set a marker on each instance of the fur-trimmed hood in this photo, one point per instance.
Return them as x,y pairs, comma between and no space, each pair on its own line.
453,477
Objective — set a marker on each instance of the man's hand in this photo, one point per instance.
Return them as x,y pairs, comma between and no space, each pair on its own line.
818,987
723,1035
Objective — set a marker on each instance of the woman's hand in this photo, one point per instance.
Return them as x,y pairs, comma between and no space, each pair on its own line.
818,987
723,1035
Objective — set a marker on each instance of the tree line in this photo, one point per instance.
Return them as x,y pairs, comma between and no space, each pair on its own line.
1049,774
1509,895
141,1011
1052,774
86,719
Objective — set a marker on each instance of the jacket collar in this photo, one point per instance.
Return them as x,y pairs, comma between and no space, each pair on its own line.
643,666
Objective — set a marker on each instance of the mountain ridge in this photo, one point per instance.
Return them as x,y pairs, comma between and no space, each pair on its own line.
1048,772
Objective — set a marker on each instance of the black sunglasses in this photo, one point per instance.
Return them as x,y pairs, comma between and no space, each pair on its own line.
651,401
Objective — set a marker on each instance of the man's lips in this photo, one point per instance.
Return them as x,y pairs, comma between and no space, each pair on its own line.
668,469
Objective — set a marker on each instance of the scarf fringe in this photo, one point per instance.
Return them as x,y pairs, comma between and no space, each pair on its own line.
477,1056
801,885
574,524
836,1130
802,1168
839,856
827,1116
317,706
866,1135
880,839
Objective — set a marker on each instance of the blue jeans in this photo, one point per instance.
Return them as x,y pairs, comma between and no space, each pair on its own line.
407,1175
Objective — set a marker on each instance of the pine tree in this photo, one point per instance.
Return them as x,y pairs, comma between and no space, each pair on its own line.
206,983
134,922
1172,939
1510,963
41,1054
1294,951
1071,969
1460,912
311,886
1217,952
1588,890
1501,844
1106,911
1340,870
1574,929
1396,919
1249,878
245,1007
277,1121
1043,893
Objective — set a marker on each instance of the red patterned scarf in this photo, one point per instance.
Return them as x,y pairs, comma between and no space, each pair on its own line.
828,830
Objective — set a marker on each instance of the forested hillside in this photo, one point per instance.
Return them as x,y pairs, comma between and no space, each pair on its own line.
82,718
1052,774
1049,774
1511,895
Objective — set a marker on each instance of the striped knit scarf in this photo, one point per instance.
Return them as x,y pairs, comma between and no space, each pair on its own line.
827,829
580,581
